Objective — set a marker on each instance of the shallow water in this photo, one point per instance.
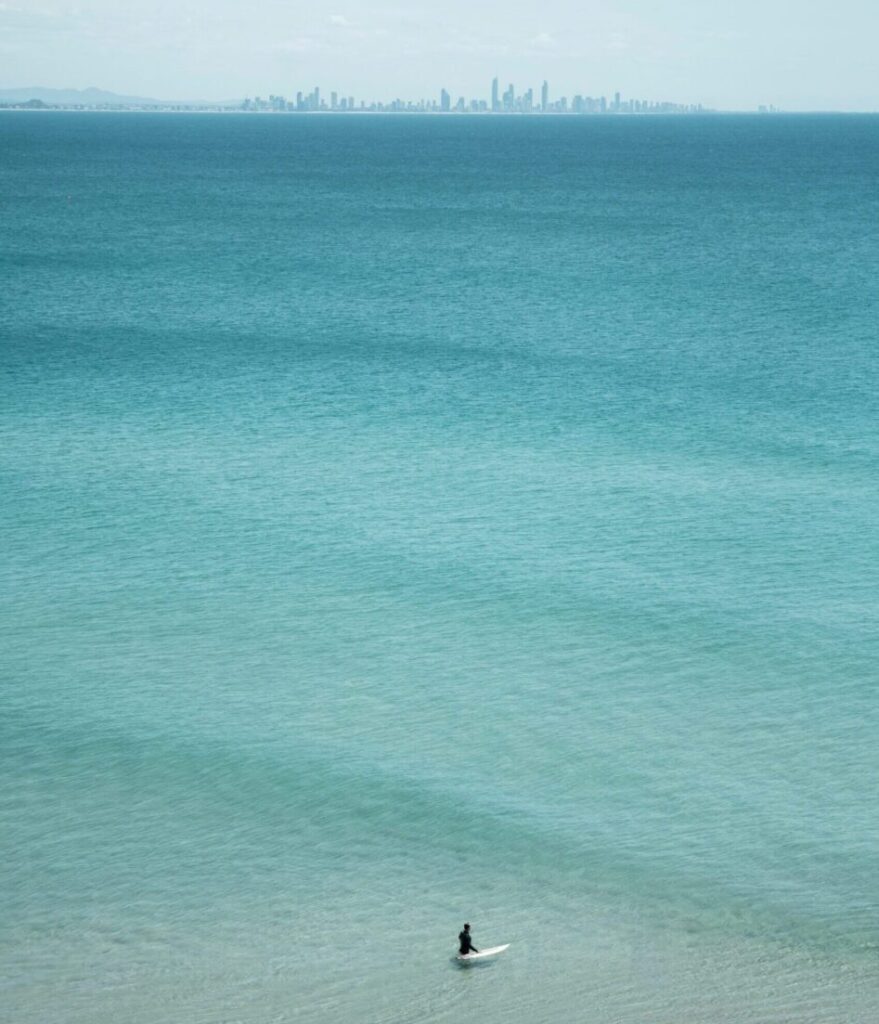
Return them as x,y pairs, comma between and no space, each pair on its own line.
412,520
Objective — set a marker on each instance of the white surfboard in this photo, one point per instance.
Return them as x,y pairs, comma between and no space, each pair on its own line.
466,958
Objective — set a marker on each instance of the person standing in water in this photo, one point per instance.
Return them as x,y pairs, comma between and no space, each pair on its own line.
466,942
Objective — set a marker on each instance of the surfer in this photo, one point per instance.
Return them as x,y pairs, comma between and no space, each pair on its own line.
466,942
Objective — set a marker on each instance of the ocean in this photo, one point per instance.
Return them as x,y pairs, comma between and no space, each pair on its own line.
416,520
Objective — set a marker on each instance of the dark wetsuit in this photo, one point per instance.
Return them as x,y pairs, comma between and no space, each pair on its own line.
466,944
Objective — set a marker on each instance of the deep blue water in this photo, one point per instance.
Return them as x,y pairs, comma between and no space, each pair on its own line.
411,520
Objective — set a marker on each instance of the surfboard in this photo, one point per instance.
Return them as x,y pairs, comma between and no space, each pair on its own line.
466,958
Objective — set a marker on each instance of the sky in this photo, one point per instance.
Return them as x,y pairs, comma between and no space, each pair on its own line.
794,54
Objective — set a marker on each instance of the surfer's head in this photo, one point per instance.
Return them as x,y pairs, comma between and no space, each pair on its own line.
466,927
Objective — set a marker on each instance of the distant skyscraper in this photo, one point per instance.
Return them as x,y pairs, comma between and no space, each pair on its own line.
544,97
616,102
445,100
495,97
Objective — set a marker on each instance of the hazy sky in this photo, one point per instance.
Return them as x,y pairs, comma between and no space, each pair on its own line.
797,54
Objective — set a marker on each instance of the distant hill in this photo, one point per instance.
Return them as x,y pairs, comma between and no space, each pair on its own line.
93,98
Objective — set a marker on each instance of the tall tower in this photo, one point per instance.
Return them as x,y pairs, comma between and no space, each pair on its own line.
495,97
544,97
445,100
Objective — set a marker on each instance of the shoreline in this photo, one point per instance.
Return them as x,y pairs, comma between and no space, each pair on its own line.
479,114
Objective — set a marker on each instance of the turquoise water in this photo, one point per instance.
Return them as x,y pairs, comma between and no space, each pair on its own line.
416,520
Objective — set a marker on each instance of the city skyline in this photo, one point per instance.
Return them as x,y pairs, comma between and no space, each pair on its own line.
507,102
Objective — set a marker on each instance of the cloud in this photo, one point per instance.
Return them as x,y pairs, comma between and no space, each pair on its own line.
467,42
339,20
13,17
303,44
543,40
616,42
